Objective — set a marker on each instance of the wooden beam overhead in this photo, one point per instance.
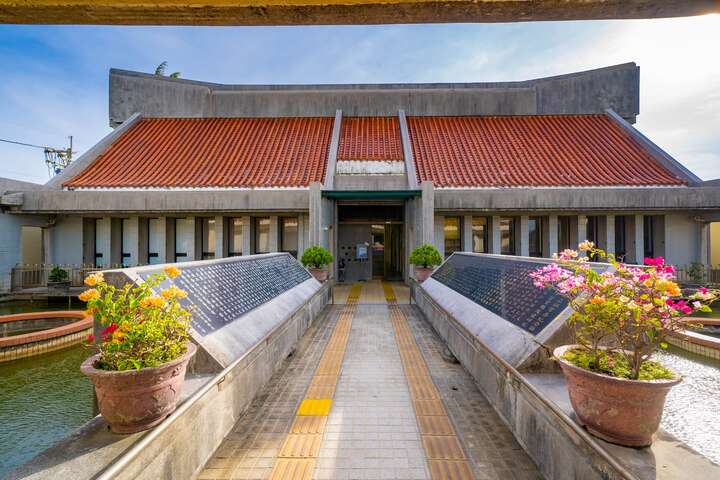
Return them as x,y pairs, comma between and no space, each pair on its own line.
333,12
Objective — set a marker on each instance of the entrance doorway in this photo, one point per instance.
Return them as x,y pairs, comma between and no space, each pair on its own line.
370,242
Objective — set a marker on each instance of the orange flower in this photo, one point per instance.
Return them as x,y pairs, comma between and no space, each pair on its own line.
90,311
172,271
118,336
94,279
152,302
597,300
174,292
88,295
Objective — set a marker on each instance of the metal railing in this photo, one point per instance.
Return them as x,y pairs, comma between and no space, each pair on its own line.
34,276
698,274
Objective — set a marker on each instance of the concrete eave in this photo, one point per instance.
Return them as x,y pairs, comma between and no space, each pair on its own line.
107,201
578,199
320,12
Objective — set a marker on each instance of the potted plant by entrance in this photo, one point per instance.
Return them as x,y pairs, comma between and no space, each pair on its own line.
424,257
58,281
142,352
316,259
620,319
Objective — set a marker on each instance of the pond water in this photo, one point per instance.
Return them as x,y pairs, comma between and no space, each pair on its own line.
43,398
692,412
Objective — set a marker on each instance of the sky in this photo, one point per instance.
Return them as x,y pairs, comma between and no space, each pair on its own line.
54,79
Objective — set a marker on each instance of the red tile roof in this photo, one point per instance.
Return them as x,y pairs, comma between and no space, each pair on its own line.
568,150
218,152
370,138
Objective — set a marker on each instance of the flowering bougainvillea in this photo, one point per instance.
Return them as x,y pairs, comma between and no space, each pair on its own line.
627,310
141,328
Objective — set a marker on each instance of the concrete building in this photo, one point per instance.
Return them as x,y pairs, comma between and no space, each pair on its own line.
198,170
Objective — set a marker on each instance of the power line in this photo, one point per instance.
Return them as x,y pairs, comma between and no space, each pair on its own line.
25,144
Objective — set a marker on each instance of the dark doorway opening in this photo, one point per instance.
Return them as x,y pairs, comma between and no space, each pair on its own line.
370,241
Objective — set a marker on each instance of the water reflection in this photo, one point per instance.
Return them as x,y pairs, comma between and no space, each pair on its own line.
43,398
691,411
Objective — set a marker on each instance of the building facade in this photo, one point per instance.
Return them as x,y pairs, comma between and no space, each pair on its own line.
197,170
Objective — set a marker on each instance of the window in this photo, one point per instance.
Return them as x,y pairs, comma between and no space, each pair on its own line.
564,241
155,239
535,236
207,232
507,235
235,237
648,237
480,229
591,231
184,232
289,235
452,235
125,230
620,242
262,234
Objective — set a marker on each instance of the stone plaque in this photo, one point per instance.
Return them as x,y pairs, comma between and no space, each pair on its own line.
504,287
223,291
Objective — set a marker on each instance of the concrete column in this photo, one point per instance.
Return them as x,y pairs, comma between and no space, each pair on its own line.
704,247
495,244
552,234
581,230
274,243
47,257
247,234
103,235
315,208
301,234
220,237
524,236
428,212
639,238
610,234
467,233
163,253
132,235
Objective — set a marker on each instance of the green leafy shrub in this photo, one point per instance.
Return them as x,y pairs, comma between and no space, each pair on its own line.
57,274
316,257
425,256
696,272
142,329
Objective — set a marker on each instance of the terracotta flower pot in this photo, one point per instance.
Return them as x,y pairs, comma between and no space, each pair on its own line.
422,273
320,274
135,400
618,410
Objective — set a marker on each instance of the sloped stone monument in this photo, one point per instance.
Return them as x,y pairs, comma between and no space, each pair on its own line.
494,299
236,301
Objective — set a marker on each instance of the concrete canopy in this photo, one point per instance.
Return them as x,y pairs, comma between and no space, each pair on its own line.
317,12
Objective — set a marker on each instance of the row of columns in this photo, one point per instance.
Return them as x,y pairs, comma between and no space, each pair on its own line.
106,236
551,239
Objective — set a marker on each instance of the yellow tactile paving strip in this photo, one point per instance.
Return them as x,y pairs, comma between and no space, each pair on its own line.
372,292
297,457
446,459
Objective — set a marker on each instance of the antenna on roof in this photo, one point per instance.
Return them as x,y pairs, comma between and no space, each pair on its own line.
56,159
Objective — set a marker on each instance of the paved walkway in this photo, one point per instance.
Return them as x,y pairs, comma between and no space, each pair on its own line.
368,395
